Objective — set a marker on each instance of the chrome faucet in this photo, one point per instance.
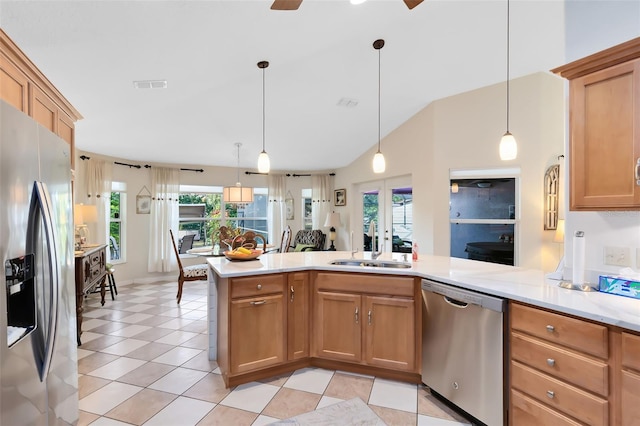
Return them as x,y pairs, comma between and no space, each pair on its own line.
352,250
374,254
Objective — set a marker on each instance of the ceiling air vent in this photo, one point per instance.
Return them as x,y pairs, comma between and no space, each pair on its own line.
150,84
347,103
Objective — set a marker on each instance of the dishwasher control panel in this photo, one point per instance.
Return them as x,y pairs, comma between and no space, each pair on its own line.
465,296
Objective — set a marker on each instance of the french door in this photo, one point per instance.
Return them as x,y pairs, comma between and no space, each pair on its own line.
388,203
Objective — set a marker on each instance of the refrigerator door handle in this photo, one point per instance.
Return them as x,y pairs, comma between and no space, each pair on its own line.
41,200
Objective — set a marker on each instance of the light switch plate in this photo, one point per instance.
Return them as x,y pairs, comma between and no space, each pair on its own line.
617,256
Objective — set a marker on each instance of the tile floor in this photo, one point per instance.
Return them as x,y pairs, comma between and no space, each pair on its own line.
143,361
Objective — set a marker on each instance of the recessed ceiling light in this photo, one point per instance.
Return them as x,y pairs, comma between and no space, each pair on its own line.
347,103
150,84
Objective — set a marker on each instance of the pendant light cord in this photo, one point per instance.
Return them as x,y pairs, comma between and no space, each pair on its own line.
508,96
379,61
238,164
263,114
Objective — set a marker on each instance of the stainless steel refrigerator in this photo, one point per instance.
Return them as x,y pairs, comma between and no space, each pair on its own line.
38,352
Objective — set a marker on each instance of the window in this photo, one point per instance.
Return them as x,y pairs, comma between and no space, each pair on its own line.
306,209
483,216
201,214
117,213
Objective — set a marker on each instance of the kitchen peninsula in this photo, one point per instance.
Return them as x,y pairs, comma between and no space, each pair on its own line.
285,311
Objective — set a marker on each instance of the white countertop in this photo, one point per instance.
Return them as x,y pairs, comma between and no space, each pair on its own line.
524,285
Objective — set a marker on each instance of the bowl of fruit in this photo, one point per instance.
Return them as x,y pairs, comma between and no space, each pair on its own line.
242,253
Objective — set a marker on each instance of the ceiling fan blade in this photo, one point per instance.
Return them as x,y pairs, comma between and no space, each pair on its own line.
287,4
412,3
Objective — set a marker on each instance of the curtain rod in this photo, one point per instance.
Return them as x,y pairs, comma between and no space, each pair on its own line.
146,166
288,174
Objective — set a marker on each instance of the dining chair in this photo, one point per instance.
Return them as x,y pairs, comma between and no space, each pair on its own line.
285,241
186,243
188,273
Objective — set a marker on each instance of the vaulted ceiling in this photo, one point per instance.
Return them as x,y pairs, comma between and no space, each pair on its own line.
320,88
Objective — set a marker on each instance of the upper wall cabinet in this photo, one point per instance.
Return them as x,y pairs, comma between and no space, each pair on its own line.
604,121
26,88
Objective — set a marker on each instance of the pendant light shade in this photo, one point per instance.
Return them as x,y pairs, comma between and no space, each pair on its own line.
508,144
508,147
237,194
379,164
264,165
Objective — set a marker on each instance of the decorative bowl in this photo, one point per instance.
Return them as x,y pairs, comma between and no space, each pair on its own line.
235,256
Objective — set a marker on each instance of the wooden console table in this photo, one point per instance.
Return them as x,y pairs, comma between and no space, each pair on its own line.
91,270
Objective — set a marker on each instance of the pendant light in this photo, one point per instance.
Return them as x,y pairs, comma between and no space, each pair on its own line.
378,159
237,194
264,165
508,144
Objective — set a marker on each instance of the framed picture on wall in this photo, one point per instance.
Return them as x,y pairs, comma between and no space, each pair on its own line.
340,197
143,204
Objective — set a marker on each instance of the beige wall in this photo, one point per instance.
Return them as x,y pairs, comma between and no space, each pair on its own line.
463,132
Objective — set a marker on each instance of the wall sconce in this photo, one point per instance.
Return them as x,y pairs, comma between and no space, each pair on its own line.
333,221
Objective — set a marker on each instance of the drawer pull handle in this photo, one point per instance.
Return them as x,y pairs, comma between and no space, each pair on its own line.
258,302
259,286
551,394
551,328
638,172
357,315
293,292
370,314
551,362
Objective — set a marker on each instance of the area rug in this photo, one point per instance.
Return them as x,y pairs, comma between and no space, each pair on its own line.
351,412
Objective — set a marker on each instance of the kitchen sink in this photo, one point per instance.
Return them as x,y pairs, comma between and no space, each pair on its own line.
371,263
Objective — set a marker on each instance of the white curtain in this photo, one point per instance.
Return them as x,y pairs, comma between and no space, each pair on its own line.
276,208
165,190
321,193
97,191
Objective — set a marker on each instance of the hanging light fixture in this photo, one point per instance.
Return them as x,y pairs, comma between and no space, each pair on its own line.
378,159
237,194
264,165
508,144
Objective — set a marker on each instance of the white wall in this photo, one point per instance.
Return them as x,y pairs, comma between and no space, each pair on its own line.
463,132
592,26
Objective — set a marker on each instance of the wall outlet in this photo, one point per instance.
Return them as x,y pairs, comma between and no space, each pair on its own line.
617,256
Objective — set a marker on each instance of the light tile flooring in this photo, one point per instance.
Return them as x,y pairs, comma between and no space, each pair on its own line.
144,361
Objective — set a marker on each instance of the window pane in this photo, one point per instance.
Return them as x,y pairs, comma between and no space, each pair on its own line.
402,219
115,238
115,205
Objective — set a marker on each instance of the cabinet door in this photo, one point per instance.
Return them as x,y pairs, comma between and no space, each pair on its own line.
390,332
298,316
630,398
43,110
337,326
14,85
605,138
257,332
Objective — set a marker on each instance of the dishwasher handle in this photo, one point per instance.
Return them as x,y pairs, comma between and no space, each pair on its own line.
455,303
464,296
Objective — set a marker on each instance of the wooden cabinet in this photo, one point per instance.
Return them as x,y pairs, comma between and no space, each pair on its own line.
569,371
605,129
91,271
27,89
559,368
298,315
630,379
365,319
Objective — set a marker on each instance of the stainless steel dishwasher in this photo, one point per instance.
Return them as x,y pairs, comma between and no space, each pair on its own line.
463,349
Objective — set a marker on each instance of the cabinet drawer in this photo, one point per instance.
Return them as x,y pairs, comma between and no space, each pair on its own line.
631,351
365,283
257,285
630,398
577,403
571,332
561,363
529,412
94,258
